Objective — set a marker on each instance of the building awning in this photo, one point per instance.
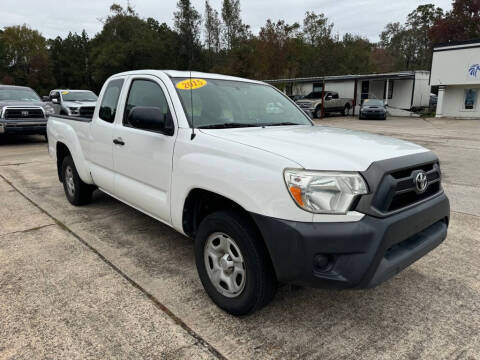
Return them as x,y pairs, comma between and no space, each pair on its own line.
404,75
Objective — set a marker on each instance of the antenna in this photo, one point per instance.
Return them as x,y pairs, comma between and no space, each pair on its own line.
191,107
191,90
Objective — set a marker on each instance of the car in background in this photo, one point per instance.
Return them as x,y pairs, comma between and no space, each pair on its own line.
22,111
312,104
79,103
373,109
296,97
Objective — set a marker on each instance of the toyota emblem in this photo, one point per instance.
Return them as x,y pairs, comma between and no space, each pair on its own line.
421,182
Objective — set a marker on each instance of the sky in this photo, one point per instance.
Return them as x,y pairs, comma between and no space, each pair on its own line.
57,17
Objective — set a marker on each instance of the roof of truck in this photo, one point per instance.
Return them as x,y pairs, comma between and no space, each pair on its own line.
187,74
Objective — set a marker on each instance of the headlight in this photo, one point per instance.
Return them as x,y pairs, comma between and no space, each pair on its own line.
324,192
49,109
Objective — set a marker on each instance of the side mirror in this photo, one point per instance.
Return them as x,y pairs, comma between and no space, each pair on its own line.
45,98
55,100
328,98
151,118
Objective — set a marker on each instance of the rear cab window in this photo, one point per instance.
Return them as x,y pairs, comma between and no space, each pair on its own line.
108,107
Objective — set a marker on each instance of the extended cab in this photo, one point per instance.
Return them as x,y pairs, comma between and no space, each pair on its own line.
73,102
267,196
312,104
22,111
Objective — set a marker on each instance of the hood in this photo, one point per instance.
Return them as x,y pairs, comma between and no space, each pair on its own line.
308,101
21,103
321,147
79,103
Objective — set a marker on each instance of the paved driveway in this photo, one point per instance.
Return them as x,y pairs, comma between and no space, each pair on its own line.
107,281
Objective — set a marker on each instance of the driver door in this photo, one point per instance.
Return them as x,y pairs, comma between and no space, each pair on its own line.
143,158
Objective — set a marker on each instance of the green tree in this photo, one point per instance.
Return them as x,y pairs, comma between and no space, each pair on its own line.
234,30
70,60
128,42
212,28
461,23
410,43
316,29
25,58
187,25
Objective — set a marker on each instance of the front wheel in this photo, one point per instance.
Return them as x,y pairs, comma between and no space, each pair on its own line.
318,112
233,264
346,110
77,192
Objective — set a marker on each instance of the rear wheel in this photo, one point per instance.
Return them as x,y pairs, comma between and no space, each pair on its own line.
77,192
233,263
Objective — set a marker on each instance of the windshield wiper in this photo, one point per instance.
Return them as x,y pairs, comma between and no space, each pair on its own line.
279,124
227,126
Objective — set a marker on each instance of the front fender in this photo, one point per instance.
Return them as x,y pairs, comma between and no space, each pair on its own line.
251,177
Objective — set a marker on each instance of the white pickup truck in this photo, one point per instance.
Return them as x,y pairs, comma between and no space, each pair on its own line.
267,196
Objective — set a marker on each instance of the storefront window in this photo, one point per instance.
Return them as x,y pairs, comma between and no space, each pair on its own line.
470,99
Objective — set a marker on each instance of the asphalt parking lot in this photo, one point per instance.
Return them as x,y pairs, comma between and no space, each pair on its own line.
106,281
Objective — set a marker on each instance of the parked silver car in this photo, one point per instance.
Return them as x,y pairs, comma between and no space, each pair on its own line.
373,109
73,102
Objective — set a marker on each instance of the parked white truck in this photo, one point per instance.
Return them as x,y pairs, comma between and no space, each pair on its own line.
267,196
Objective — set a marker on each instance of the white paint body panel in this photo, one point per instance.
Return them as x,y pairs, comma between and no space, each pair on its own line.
155,173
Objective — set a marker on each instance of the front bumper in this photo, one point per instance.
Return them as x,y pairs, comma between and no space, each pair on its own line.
23,127
360,254
373,114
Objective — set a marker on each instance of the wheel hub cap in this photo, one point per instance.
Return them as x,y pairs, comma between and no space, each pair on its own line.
225,265
69,181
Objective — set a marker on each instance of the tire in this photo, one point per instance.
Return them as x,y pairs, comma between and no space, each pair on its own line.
77,192
252,289
318,112
346,110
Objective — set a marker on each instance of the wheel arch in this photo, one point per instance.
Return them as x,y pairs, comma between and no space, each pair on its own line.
62,151
199,203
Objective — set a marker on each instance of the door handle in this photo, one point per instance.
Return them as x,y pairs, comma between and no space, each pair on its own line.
118,141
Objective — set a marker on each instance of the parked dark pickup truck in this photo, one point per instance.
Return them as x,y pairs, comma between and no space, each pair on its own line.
22,111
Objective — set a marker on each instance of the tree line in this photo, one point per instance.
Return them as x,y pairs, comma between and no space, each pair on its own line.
219,41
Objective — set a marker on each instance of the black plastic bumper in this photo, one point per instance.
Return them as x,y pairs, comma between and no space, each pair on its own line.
26,130
373,115
360,254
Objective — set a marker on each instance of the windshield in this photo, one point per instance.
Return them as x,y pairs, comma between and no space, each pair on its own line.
18,94
314,95
78,96
225,103
372,102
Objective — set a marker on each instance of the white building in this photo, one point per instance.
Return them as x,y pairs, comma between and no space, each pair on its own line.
456,71
400,90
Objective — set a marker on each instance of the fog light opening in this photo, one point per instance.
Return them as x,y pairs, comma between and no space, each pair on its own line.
322,262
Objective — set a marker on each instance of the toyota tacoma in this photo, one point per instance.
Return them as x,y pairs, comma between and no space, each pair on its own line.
267,196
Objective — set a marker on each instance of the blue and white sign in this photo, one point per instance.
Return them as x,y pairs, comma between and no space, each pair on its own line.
474,71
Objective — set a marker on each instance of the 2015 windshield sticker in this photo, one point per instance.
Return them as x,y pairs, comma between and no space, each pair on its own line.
191,84
65,92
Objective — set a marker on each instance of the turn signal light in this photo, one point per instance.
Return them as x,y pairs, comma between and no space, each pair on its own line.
297,194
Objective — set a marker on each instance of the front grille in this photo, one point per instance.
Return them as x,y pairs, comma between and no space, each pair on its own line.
87,111
402,187
304,105
26,113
